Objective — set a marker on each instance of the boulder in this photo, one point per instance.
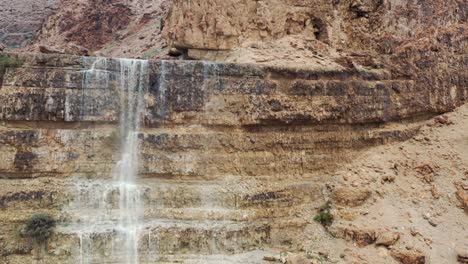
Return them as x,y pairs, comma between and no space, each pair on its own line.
462,195
387,238
348,196
362,237
409,256
77,50
49,50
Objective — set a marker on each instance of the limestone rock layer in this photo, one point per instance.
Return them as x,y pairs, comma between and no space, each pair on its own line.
234,155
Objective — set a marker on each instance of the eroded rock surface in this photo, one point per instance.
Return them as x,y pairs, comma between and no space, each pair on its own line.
21,19
239,157
306,33
105,28
260,144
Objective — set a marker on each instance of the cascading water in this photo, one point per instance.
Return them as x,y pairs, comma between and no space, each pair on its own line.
110,212
132,82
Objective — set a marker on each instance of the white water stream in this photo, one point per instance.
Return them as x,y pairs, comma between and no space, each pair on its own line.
111,211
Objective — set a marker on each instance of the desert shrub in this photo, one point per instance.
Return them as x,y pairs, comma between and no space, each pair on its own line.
324,216
8,61
39,227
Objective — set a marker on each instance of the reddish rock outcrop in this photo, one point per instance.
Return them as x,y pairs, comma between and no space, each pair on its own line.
21,19
409,256
387,238
108,28
90,24
462,195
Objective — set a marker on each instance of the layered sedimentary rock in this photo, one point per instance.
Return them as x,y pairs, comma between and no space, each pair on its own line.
235,159
234,156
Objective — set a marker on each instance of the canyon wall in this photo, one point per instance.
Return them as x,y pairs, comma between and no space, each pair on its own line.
306,32
108,28
362,25
341,107
235,156
20,20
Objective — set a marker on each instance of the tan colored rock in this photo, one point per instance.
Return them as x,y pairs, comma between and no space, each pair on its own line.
272,258
409,256
350,196
426,171
307,33
292,258
387,238
462,195
77,50
388,179
435,192
2,47
49,50
361,236
443,120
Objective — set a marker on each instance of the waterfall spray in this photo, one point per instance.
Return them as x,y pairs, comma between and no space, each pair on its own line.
113,209
132,82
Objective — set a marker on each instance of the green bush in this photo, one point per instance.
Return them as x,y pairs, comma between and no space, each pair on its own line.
325,217
8,61
39,227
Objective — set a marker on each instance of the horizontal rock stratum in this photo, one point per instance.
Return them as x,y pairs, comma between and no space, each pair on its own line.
234,155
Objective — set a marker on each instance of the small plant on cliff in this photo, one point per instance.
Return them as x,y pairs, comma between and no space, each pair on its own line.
324,216
38,227
8,61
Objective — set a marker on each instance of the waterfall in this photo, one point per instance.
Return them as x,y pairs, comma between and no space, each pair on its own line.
110,212
132,82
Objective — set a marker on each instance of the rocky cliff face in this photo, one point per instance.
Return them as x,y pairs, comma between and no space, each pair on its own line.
111,28
284,32
21,19
338,116
235,157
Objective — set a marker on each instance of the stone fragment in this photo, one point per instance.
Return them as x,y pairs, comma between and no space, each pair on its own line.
387,238
271,258
443,120
77,50
362,237
175,52
350,196
426,171
409,256
363,7
388,178
2,47
49,50
462,195
435,192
